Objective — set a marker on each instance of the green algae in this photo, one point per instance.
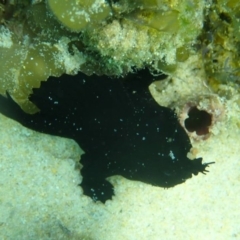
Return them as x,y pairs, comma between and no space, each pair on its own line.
78,14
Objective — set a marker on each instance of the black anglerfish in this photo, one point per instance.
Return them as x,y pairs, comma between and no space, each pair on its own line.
118,124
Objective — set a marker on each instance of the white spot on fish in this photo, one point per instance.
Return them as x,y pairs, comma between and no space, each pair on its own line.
171,155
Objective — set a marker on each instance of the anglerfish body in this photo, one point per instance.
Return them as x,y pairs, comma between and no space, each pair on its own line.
118,124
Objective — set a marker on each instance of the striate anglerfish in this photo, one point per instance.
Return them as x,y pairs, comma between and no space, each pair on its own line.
118,124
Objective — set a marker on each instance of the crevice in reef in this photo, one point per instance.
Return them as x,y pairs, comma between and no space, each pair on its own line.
198,121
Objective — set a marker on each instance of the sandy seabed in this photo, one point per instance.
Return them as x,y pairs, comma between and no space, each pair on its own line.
40,197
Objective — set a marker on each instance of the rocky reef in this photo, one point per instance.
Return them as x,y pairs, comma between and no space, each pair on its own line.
220,44
42,38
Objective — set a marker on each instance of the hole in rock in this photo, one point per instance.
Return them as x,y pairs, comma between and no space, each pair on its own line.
198,121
